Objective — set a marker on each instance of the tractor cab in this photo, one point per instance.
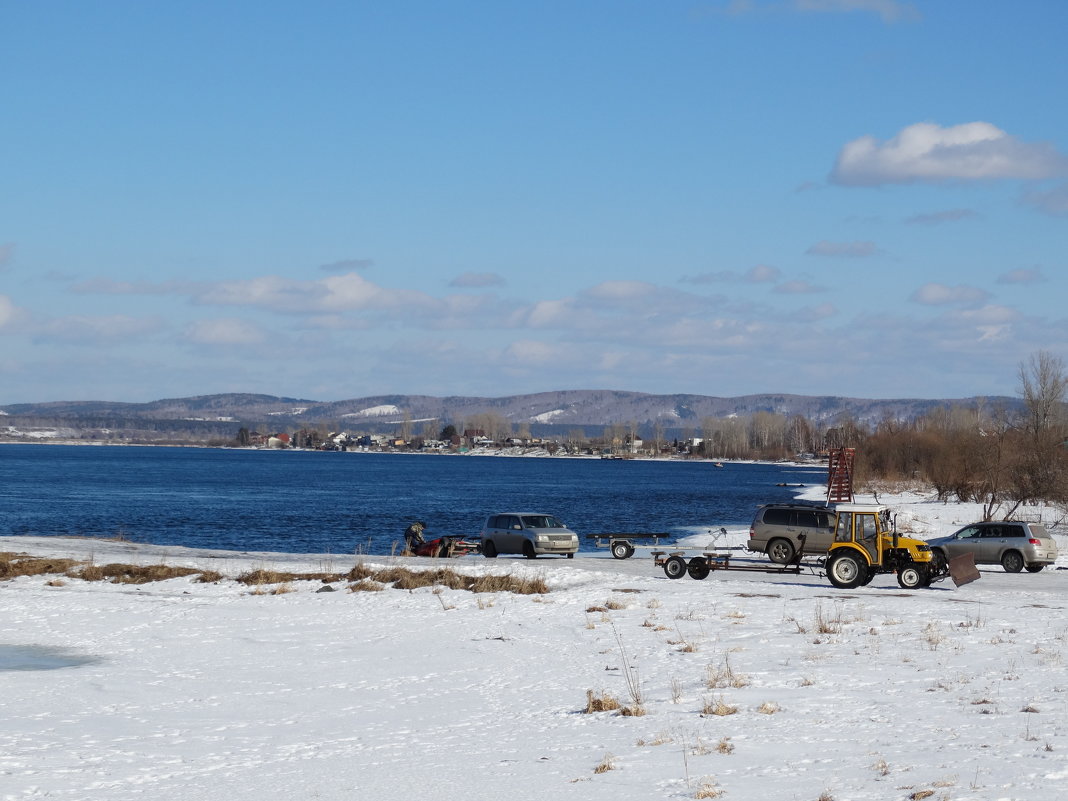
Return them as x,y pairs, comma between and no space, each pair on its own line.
866,543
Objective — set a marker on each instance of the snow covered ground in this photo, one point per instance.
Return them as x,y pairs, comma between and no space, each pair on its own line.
211,691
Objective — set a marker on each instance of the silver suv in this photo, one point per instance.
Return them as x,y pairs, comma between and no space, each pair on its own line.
777,527
527,533
1009,543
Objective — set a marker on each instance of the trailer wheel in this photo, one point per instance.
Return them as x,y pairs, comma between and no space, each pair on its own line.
675,567
780,551
1012,562
698,568
622,550
911,577
846,571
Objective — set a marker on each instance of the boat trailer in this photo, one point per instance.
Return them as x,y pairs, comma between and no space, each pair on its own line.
623,546
676,565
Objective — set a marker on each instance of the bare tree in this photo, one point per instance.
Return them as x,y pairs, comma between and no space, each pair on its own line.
1043,386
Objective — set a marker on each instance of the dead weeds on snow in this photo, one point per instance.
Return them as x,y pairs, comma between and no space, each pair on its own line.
600,702
361,577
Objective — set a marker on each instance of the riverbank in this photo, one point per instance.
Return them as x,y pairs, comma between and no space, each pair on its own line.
189,690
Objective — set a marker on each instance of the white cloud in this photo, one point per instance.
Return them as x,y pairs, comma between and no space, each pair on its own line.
928,152
853,250
939,217
347,265
224,331
935,294
1022,276
340,293
758,274
10,314
476,280
888,10
1052,201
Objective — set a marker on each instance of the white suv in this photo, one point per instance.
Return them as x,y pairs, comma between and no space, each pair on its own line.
527,533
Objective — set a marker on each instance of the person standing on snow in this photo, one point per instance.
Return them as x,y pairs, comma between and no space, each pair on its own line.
413,536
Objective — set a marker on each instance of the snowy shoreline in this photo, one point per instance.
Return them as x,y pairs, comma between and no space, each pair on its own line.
200,691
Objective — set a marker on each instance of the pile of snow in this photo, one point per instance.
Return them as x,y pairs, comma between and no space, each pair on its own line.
205,691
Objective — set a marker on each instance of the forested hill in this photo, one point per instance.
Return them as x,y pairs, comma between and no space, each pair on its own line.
552,410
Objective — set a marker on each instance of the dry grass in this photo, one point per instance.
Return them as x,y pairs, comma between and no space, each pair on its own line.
717,706
725,746
600,702
361,577
606,764
717,678
708,789
13,565
366,585
768,708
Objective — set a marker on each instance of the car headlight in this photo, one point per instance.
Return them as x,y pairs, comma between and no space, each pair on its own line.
542,537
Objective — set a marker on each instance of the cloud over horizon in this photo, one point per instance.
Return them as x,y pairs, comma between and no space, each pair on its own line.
926,152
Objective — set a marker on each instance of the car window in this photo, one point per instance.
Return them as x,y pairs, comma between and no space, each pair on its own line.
508,521
541,521
1012,531
777,517
492,522
969,533
823,520
807,519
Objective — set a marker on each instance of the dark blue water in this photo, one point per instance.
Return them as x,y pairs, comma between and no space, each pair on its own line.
310,501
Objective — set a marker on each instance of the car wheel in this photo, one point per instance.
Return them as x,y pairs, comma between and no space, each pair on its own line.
780,551
571,556
1034,568
912,577
698,568
622,550
489,550
846,571
1012,562
528,550
675,567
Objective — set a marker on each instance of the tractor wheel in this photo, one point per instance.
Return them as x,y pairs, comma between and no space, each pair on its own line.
489,550
780,551
528,550
912,577
675,567
1034,568
622,550
872,573
1012,562
698,568
846,571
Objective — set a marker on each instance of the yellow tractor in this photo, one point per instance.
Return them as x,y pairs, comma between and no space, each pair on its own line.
866,543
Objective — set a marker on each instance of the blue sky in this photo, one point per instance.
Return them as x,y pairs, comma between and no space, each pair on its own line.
338,199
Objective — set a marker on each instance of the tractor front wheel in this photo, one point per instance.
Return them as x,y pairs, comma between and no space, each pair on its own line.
912,577
846,571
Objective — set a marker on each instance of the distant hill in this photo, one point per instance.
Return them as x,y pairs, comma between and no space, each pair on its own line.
219,416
